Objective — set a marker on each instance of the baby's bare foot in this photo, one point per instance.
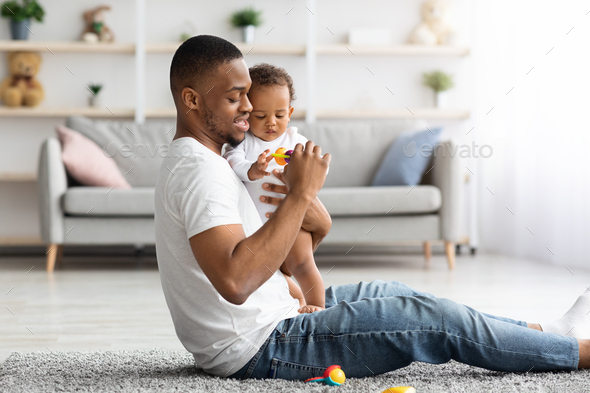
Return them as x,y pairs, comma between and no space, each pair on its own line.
309,308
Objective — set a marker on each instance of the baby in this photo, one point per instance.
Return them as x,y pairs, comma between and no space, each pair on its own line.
271,94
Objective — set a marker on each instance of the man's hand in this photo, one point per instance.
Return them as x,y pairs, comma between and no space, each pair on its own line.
316,220
306,172
309,309
258,169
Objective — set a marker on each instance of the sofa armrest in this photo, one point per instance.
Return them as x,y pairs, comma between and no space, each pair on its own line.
446,174
52,184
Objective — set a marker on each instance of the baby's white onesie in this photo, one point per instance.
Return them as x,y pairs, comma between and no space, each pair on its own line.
246,153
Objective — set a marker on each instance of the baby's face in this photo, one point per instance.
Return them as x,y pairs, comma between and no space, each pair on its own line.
271,113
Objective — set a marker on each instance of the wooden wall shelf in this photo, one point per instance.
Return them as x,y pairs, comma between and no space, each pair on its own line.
65,46
392,50
251,49
422,113
254,49
43,111
21,241
129,48
404,113
18,177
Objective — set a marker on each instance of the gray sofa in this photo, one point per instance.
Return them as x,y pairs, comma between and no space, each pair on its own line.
362,215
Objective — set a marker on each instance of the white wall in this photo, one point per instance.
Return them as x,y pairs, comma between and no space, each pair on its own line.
539,131
343,81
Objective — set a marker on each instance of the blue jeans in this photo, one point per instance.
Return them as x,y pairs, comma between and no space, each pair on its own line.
372,328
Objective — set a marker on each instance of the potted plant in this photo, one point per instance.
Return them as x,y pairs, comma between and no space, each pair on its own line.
94,89
438,81
247,19
20,14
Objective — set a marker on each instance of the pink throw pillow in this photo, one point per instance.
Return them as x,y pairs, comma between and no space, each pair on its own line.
86,162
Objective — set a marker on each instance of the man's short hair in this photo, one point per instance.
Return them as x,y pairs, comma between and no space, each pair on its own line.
196,60
265,74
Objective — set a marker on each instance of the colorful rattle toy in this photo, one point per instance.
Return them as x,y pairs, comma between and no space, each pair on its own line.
282,156
400,389
333,376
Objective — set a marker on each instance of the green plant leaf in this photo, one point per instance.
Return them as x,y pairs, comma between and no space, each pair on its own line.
22,10
95,88
438,80
246,17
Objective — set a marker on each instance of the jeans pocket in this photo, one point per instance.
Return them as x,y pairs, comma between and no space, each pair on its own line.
281,369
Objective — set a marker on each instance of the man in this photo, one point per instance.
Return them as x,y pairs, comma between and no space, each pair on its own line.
220,267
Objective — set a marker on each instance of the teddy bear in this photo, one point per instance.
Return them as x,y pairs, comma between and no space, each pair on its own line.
434,28
21,87
96,30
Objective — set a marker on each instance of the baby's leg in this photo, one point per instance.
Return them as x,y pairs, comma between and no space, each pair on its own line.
294,290
301,264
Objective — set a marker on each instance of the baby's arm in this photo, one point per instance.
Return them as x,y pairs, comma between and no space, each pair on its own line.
247,170
236,156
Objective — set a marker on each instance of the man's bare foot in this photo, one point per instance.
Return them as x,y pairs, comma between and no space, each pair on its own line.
535,326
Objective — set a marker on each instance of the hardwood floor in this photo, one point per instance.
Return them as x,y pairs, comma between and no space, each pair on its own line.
115,303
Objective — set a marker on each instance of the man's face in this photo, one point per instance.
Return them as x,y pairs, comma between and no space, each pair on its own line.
226,107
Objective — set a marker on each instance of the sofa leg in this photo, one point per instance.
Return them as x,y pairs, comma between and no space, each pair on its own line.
450,251
51,253
60,253
427,251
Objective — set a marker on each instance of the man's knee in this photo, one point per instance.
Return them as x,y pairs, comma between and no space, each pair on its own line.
380,289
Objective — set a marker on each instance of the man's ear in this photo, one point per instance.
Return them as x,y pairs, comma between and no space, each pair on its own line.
290,113
190,98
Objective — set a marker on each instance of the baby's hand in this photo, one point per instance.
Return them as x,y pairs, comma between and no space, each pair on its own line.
309,309
258,169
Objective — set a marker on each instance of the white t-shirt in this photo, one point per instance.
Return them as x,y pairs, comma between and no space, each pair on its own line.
197,190
246,153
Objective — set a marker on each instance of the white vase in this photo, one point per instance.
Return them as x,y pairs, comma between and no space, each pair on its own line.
440,99
94,100
248,34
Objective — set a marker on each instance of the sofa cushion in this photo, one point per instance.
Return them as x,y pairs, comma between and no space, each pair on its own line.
86,163
405,161
138,149
367,201
357,146
104,201
339,201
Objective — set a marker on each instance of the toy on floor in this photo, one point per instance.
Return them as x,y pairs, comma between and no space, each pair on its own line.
282,156
400,389
333,376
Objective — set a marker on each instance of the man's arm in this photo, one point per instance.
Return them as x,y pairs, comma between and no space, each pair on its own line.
237,265
317,220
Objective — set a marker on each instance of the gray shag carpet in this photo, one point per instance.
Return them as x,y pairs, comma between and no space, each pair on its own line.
173,371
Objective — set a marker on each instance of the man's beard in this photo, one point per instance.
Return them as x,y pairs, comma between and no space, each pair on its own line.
214,125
